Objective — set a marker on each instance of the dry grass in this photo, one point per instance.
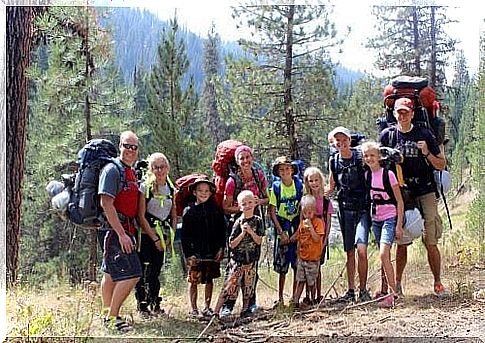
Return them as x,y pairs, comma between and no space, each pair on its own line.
75,311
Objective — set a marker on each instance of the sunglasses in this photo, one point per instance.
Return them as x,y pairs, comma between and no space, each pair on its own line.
133,147
160,168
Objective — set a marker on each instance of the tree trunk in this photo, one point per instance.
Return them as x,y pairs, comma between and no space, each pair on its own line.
416,43
288,99
432,71
19,42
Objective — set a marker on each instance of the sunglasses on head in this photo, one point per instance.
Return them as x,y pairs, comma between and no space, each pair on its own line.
133,147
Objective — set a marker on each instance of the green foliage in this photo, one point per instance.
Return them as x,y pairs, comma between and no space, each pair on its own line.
175,126
75,94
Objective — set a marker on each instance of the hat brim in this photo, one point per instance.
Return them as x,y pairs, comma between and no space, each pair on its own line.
402,107
343,133
275,168
212,186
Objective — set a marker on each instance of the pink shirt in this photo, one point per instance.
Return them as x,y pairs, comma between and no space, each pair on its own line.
250,185
319,210
385,211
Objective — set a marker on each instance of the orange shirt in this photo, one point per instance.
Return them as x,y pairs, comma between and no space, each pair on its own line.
308,249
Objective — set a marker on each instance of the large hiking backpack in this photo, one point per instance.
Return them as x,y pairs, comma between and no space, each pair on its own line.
183,196
83,208
224,162
426,107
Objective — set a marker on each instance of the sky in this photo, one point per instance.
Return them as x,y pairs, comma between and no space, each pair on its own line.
198,16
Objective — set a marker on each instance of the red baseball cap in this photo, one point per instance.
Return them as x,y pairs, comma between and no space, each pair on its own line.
403,104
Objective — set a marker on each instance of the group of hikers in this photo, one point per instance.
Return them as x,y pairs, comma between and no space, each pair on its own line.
368,196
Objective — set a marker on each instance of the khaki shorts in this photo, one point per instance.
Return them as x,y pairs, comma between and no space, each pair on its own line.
307,271
433,226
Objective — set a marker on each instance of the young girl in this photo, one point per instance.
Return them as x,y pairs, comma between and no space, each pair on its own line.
387,213
314,185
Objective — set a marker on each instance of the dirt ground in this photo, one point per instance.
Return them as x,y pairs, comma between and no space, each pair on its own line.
419,316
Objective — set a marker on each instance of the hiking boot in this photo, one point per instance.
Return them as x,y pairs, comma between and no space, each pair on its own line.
364,295
387,302
440,291
348,297
155,307
143,310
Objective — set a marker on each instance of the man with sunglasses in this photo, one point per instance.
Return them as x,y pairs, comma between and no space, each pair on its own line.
121,266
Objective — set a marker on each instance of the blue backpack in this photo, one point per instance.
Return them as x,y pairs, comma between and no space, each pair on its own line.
83,208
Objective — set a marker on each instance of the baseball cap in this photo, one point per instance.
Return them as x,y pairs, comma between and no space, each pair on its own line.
343,130
403,104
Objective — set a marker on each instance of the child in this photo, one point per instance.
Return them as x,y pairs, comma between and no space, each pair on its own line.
310,244
284,201
347,175
314,182
203,240
245,243
387,220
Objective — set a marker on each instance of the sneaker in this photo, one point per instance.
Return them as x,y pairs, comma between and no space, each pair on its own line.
207,312
399,291
441,291
253,308
307,301
387,302
194,313
349,296
226,312
364,295
246,313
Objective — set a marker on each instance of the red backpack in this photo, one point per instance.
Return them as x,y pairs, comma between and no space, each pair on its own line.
183,196
426,106
223,161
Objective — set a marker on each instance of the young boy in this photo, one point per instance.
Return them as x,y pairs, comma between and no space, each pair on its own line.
347,175
310,245
284,201
203,240
245,243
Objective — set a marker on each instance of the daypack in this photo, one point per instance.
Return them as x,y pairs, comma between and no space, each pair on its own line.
84,208
426,107
183,196
349,179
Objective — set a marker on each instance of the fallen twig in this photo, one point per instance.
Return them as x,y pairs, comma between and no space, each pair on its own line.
205,329
363,303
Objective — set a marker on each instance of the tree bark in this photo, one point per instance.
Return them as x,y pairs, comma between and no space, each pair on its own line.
19,43
288,98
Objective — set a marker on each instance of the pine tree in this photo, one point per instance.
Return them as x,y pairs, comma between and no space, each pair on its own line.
172,116
286,39
78,95
412,41
212,66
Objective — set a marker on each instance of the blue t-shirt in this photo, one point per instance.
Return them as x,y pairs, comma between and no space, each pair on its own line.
417,170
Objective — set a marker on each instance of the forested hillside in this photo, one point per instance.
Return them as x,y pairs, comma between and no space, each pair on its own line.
137,32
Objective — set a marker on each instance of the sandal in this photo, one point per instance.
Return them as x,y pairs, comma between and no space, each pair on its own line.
118,324
207,312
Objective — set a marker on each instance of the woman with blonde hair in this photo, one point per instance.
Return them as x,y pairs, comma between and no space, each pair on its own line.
157,217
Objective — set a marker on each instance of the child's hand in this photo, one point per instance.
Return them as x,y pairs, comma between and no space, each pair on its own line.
192,261
219,255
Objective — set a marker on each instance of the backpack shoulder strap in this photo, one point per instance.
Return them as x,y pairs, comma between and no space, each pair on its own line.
387,185
277,192
298,187
258,181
